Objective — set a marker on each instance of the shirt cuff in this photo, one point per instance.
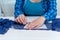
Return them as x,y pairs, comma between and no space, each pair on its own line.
47,17
18,13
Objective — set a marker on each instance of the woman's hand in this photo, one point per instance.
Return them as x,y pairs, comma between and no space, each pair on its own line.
21,19
36,23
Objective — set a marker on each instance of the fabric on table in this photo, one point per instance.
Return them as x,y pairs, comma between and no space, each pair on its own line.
56,24
5,24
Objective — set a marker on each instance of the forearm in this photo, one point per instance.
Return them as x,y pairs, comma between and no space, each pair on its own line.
52,10
18,8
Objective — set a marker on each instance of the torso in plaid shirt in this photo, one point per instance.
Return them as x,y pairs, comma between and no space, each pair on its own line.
49,7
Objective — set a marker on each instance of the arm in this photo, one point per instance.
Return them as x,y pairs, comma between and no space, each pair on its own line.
52,11
18,8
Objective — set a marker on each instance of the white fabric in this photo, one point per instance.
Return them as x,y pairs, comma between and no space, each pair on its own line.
8,7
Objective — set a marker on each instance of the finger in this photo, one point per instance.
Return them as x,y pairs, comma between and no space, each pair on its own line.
30,26
24,20
19,20
16,20
36,27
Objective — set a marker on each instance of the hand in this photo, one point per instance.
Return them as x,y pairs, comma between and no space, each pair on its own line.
36,23
21,19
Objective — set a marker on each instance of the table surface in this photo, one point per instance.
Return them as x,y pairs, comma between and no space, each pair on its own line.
14,34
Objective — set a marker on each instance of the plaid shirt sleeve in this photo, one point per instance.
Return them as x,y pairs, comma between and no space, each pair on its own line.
52,10
18,8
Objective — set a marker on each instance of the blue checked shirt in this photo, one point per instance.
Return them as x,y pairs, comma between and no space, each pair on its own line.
48,5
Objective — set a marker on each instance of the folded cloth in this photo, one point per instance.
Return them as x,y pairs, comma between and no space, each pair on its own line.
5,24
9,23
18,26
56,24
3,30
